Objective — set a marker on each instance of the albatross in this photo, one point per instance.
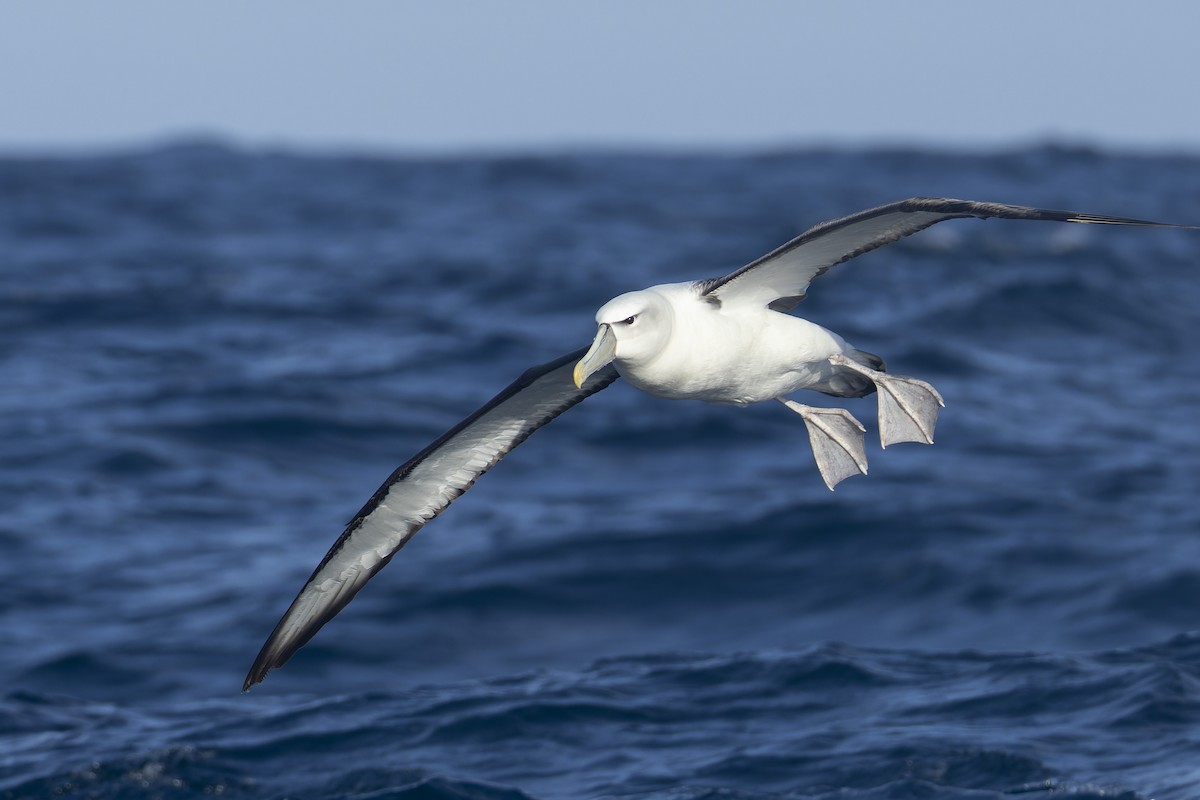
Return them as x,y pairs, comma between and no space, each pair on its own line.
726,340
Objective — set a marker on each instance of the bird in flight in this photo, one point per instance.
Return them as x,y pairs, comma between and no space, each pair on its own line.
723,340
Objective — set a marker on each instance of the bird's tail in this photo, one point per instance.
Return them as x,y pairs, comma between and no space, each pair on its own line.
848,383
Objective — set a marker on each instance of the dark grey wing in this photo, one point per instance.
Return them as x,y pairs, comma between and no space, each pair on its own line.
420,490
780,279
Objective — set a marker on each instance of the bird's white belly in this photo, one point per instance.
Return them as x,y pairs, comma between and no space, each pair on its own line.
738,361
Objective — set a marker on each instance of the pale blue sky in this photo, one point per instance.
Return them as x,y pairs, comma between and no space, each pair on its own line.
528,75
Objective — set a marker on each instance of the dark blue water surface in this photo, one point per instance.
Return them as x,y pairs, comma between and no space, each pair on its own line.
212,356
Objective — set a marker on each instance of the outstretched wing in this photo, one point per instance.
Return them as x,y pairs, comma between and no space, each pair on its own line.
780,279
420,490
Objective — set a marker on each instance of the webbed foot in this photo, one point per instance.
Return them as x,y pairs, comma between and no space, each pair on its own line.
837,441
908,408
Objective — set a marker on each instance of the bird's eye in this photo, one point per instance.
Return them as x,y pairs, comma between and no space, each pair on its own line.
628,320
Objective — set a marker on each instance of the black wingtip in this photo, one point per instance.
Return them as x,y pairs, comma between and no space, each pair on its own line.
271,657
256,674
251,680
983,210
1100,219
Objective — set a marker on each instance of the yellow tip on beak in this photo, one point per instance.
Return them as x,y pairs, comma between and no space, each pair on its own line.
598,356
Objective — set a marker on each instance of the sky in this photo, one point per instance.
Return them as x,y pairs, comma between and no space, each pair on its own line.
529,75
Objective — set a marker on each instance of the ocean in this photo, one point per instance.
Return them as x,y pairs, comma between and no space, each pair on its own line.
214,354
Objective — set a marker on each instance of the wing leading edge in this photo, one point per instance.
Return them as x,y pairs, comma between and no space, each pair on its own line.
780,278
417,492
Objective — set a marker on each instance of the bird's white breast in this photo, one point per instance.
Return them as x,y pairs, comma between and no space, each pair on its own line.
732,355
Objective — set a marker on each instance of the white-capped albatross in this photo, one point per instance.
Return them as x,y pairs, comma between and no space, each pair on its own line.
722,340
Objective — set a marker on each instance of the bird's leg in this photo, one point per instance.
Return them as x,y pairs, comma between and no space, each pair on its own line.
908,408
837,441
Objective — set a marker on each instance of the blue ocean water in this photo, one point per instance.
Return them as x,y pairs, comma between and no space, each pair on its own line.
213,356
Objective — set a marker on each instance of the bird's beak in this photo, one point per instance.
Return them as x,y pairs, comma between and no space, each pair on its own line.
599,355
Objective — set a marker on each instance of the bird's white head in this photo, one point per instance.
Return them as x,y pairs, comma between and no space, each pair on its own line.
634,328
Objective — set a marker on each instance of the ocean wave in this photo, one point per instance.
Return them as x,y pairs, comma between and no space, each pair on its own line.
823,721
217,354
